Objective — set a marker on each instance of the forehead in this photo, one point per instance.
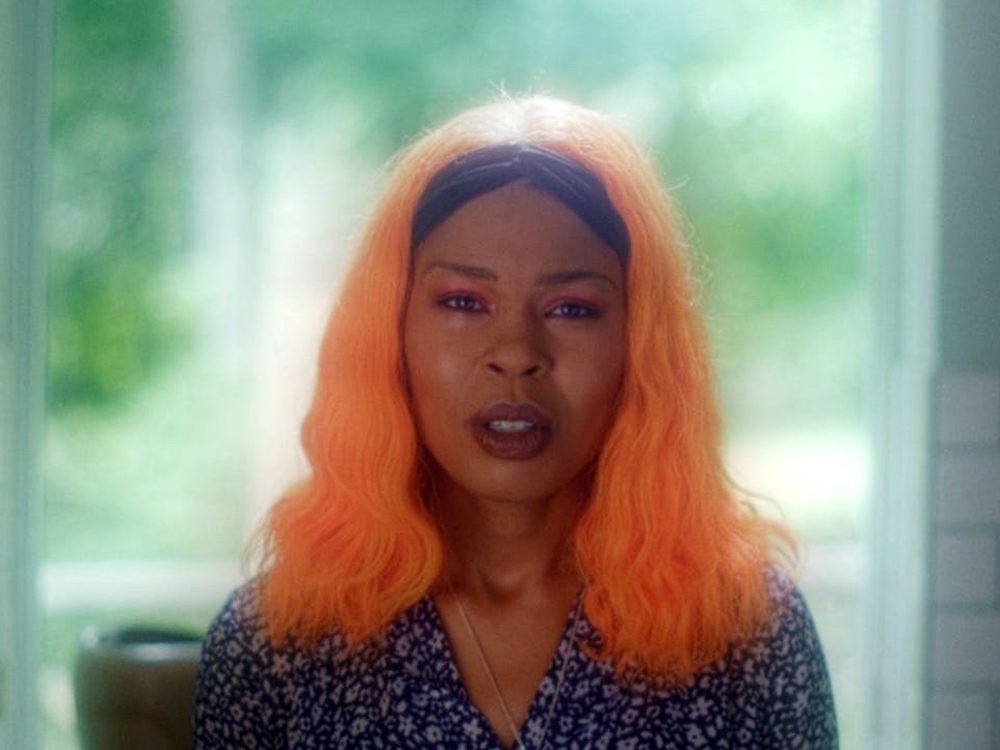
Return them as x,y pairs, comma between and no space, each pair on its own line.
521,227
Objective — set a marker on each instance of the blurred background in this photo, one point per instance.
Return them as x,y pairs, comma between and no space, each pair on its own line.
210,162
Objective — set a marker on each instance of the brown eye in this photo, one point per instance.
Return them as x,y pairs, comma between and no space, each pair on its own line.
573,310
462,303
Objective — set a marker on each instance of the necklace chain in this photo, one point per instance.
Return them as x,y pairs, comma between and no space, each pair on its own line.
518,742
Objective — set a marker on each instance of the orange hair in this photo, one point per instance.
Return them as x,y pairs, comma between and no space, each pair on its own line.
674,561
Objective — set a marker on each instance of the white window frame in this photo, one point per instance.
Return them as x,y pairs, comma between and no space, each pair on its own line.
904,260
25,35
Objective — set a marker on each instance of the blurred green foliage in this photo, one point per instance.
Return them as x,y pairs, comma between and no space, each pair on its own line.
117,208
757,114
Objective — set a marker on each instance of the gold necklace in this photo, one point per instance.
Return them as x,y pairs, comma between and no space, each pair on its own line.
518,743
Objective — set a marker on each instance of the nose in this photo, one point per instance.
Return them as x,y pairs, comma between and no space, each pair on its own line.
519,349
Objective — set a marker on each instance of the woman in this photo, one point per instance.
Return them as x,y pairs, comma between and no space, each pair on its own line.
517,532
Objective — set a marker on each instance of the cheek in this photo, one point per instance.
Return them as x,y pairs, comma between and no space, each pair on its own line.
598,383
605,395
436,371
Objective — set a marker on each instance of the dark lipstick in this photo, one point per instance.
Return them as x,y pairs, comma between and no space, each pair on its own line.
515,432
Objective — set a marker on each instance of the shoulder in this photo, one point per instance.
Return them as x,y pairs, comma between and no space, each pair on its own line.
771,690
790,624
242,679
238,628
240,611
787,638
788,667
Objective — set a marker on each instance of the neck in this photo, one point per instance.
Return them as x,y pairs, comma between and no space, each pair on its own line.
503,549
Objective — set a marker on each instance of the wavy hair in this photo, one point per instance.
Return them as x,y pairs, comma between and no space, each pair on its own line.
674,560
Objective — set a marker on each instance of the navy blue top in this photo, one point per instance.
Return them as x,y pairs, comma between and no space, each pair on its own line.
405,692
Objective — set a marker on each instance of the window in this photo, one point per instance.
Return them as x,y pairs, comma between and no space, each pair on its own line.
209,161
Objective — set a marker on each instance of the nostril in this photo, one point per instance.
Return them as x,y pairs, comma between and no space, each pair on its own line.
516,358
529,371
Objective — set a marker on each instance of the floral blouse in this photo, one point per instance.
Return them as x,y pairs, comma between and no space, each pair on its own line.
405,691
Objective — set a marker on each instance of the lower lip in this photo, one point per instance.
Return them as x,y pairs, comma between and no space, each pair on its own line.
514,446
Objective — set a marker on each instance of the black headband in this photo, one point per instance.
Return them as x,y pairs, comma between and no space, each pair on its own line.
492,167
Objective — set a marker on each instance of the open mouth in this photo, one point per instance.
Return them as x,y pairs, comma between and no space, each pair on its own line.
512,431
511,425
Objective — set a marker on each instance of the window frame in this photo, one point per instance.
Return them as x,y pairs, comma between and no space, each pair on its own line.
904,251
25,42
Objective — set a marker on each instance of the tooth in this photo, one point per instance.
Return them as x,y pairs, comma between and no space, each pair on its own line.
511,425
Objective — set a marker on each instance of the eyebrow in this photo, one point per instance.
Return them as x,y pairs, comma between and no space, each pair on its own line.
567,277
549,279
477,272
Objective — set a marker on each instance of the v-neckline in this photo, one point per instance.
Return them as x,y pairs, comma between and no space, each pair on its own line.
541,705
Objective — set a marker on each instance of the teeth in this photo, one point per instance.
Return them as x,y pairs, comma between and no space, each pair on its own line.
511,425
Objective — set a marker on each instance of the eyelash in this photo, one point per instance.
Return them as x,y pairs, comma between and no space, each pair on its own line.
468,303
575,310
462,303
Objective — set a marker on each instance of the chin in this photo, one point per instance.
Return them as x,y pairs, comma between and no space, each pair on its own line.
518,482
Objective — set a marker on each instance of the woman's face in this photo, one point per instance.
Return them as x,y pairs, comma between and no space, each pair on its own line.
514,337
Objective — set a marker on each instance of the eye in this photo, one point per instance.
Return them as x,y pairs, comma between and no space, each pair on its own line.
462,303
573,310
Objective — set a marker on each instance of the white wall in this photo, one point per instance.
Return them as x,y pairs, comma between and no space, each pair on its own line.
963,656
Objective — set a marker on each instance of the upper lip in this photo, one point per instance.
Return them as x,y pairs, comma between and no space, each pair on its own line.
503,411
